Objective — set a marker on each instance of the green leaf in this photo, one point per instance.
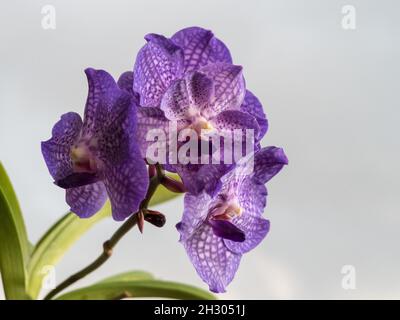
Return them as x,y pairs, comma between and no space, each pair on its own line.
129,276
55,243
14,245
137,289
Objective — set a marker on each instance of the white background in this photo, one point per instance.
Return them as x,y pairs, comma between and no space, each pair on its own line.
332,99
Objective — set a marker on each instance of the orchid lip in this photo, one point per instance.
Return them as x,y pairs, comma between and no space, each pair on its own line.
82,157
227,230
77,179
226,210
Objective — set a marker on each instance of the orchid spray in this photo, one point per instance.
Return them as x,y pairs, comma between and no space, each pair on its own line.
182,118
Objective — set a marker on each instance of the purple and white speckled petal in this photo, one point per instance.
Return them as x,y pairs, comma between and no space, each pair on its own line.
199,177
186,97
87,200
150,118
125,82
252,197
194,214
126,185
157,65
240,128
56,151
201,89
100,83
175,103
116,136
200,48
123,170
234,119
252,106
229,86
267,163
255,229
213,261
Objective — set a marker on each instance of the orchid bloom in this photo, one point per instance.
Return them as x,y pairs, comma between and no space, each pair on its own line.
99,157
217,231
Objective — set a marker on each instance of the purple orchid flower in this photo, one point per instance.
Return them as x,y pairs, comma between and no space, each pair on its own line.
190,79
99,156
162,61
217,231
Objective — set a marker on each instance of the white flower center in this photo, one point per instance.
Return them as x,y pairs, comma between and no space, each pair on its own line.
82,157
227,210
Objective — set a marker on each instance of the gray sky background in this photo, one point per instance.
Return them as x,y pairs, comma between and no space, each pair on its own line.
332,99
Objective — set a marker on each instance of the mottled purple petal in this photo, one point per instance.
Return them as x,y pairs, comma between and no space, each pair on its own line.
125,172
239,130
100,83
186,97
125,82
201,89
234,119
149,118
255,229
200,48
229,86
255,169
194,214
157,65
213,261
126,183
56,151
87,200
116,136
252,106
175,102
123,169
252,197
197,178
268,162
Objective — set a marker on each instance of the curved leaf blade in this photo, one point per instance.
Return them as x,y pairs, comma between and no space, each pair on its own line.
14,245
55,243
138,289
128,276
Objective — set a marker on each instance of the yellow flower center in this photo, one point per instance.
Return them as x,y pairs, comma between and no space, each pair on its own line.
201,125
228,210
82,158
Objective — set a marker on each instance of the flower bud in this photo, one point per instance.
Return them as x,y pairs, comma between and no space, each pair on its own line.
152,170
140,222
155,218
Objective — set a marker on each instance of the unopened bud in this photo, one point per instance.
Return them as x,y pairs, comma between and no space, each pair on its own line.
152,171
140,222
155,218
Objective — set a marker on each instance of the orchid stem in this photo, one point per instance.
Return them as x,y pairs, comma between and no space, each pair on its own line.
109,245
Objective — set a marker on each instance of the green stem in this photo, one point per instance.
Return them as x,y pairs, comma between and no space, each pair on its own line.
109,245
